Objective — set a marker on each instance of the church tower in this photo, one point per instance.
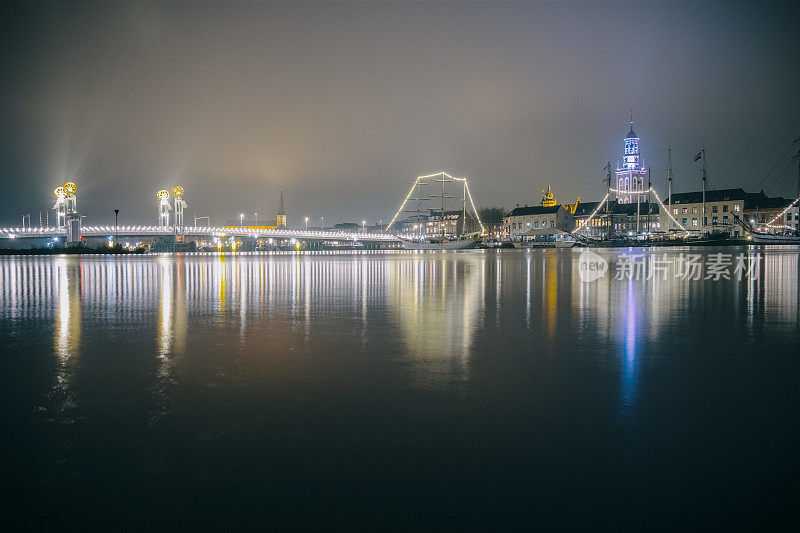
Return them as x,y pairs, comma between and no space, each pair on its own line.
548,200
281,222
630,174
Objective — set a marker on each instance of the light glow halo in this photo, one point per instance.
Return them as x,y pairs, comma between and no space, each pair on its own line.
70,188
177,191
163,194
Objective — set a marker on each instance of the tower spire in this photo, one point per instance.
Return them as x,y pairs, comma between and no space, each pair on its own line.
281,218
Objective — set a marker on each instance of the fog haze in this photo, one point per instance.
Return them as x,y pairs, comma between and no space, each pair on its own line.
342,104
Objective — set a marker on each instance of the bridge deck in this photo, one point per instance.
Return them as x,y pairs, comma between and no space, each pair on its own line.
195,231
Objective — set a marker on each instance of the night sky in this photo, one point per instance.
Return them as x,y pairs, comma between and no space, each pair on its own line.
344,103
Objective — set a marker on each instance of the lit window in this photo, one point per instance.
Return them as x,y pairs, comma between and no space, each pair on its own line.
694,221
736,207
685,211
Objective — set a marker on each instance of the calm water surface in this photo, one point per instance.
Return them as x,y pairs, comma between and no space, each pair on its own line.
459,389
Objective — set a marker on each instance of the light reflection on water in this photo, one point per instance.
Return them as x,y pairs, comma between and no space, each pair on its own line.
431,352
436,302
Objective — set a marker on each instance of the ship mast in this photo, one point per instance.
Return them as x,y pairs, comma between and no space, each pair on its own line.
608,196
669,178
705,177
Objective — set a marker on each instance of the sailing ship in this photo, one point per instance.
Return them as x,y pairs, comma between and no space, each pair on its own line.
430,232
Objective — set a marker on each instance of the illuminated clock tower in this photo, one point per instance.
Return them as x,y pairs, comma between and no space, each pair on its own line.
630,174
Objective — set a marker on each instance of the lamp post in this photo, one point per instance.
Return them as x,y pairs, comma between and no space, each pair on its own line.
306,223
363,226
322,222
116,224
241,220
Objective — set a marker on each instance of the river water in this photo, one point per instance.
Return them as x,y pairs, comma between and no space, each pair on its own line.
471,389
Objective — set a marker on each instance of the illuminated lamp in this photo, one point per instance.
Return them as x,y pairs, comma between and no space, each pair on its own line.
177,191
162,195
70,188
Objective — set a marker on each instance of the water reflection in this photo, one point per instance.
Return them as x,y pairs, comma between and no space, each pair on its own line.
436,301
430,310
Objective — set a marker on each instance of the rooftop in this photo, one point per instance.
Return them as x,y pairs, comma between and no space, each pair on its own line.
533,210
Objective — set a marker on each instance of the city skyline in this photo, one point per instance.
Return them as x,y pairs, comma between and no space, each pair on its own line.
303,97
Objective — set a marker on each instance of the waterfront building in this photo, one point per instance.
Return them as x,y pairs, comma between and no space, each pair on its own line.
624,218
521,219
630,172
767,213
250,223
721,207
452,223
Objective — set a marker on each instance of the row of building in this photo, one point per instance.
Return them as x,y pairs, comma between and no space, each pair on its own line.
631,210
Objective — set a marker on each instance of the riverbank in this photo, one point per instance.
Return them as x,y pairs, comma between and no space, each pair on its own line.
78,250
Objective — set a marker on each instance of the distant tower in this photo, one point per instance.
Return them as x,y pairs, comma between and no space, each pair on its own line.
630,174
281,212
180,204
548,200
164,208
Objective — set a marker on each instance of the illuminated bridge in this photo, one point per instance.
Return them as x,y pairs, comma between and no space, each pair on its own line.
196,231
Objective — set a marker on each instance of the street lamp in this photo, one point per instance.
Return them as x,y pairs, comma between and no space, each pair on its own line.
306,223
363,224
116,223
322,222
241,220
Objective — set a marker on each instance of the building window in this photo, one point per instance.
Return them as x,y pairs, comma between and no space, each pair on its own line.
694,221
725,208
713,220
705,221
724,219
684,221
535,224
713,209
529,225
674,211
736,207
544,223
694,210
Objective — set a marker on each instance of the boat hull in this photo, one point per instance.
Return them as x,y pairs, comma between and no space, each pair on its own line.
774,239
557,244
446,245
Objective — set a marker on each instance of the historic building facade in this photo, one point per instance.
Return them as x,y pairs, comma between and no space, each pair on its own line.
630,173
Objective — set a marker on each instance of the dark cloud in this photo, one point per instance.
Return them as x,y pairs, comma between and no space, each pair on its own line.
343,103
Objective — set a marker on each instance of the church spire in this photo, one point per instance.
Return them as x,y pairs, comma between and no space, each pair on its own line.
281,218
